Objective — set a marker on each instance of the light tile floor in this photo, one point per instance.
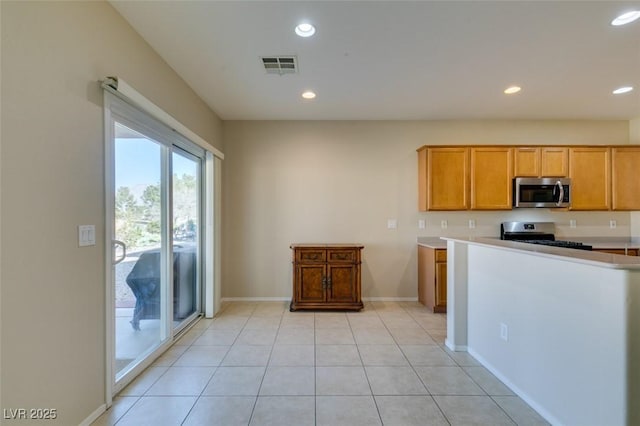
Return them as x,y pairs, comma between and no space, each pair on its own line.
259,364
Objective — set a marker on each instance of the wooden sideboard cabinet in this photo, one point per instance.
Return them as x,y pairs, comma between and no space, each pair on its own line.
326,276
432,278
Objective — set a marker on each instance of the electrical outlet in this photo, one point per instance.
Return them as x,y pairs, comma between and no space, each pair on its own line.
472,224
422,224
392,224
612,224
504,332
443,224
572,223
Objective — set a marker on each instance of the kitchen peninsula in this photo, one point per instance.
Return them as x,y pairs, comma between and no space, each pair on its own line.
561,327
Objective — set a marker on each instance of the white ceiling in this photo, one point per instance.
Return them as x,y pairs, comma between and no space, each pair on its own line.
377,60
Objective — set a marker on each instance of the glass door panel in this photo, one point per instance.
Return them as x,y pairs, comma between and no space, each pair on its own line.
186,236
140,274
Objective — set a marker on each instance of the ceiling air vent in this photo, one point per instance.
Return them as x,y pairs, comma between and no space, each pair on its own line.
280,64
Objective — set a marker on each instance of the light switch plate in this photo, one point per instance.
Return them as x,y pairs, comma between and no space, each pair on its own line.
572,223
443,224
392,223
422,224
86,235
472,223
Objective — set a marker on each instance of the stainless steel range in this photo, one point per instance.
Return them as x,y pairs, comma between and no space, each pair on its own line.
536,233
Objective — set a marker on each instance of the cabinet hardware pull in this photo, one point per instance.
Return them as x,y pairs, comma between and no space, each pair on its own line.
329,282
324,283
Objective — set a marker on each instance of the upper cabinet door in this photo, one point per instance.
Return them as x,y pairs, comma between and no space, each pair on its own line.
549,161
625,180
589,170
526,162
443,178
554,162
491,177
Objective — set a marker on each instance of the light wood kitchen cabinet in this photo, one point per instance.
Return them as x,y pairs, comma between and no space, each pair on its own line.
540,161
443,178
627,252
625,178
554,161
603,177
526,162
491,178
432,278
589,170
326,277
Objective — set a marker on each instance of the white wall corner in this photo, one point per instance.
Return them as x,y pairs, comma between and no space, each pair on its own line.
634,224
634,131
634,138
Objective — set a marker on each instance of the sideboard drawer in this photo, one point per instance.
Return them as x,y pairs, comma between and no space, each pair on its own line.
339,256
311,255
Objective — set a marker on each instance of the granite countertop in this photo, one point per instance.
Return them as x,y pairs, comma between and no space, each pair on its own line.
432,242
606,242
603,260
595,242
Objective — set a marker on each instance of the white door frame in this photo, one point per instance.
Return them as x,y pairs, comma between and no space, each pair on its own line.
211,224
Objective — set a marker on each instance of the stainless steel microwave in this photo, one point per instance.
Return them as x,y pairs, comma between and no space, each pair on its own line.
542,192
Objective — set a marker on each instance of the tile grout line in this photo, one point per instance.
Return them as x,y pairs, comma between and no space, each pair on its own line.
266,367
375,402
214,372
444,416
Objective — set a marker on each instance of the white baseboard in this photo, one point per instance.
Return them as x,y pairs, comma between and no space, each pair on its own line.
93,416
255,299
523,395
449,344
284,299
389,299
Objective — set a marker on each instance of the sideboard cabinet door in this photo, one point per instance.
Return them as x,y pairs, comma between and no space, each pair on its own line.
326,277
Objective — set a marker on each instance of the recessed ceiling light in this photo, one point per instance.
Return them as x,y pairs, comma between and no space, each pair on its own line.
309,94
305,30
626,18
513,89
621,90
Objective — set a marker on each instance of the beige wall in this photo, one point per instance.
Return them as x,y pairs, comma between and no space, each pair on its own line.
315,181
52,177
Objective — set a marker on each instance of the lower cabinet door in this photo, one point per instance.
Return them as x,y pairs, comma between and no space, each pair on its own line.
341,283
311,278
441,285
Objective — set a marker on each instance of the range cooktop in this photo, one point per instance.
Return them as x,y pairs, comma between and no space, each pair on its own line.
536,233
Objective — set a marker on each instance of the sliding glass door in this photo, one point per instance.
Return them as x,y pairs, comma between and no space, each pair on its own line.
155,188
140,272
187,236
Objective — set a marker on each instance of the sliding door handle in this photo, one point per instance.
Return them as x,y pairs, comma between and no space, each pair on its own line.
117,243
